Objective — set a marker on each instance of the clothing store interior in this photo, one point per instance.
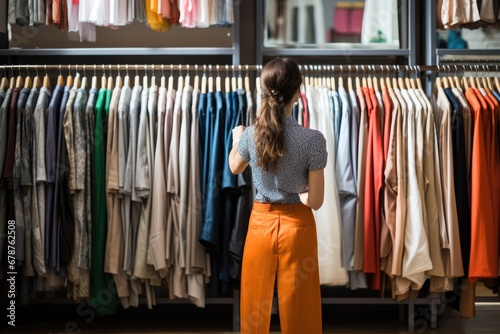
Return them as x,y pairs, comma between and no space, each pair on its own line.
116,123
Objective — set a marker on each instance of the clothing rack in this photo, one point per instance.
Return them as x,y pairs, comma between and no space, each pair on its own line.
433,301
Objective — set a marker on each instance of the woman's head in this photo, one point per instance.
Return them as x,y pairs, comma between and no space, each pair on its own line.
280,80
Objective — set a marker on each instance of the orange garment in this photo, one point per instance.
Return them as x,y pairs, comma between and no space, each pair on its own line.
373,188
483,220
281,245
154,20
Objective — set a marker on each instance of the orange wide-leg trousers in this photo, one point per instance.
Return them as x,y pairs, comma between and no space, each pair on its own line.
281,245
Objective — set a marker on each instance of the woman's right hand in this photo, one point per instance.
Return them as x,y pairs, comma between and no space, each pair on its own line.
237,132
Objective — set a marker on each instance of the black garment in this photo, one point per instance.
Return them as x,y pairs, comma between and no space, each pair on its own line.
240,227
460,179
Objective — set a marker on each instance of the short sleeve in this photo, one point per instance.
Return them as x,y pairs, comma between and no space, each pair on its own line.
243,146
317,154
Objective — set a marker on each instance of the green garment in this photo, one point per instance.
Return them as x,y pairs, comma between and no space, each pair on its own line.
102,289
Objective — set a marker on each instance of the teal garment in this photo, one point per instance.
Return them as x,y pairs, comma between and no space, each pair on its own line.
102,289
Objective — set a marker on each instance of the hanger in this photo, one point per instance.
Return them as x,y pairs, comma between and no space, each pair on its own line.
486,78
306,75
145,77
180,81
497,81
127,77
407,79
110,83
326,80
196,78
163,80
258,85
119,80
400,82
341,80
382,79
218,86
210,80
4,84
413,80
247,80
240,79
84,78
137,78
46,79
375,81
387,78
227,81
60,78
76,79
449,79
171,78
28,82
94,79
464,80
153,78
363,78
187,79
349,79
234,84
456,80
37,83
103,77
358,85
204,80
19,80
69,78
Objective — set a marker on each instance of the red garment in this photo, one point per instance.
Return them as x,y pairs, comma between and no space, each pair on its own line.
484,216
305,113
373,191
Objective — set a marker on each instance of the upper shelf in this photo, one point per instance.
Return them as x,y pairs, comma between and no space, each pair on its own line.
139,51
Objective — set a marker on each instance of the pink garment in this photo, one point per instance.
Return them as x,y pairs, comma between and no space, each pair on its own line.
188,13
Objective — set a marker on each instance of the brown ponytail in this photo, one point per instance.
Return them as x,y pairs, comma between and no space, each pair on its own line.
280,78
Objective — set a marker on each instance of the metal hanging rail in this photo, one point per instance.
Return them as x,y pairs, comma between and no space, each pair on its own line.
486,65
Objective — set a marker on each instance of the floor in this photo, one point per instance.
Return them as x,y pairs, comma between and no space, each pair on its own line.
58,319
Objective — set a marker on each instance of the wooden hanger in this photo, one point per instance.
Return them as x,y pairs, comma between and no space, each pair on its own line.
19,81
218,85
247,80
465,83
358,85
46,81
187,79
227,84
210,81
258,86
204,81
37,83
69,78
119,79
171,79
145,79
349,83
104,81
438,83
375,80
4,85
12,83
163,81
196,84
94,82
76,80
110,83
180,80
126,81
28,82
84,79
60,78
341,79
234,83
153,77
